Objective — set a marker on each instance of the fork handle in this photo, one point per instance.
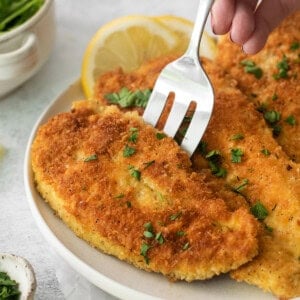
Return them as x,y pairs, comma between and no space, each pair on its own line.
202,14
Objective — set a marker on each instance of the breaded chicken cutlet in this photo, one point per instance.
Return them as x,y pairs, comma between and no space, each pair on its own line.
130,191
250,170
271,80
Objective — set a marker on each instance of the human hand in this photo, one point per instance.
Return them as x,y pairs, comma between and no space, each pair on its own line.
250,26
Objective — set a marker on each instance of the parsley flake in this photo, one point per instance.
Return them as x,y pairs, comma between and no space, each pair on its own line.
159,237
214,161
119,196
272,116
148,234
237,136
251,68
134,135
127,98
186,246
265,152
144,252
175,216
91,158
291,120
135,173
295,46
128,151
240,187
283,68
236,155
160,135
149,163
259,211
180,233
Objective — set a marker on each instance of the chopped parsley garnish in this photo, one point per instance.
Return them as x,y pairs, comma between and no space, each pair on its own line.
252,68
268,228
283,68
295,46
240,187
180,233
149,163
265,152
237,136
159,237
259,211
148,234
135,173
186,246
13,13
127,98
160,135
134,135
175,216
128,203
9,289
128,151
274,97
291,120
236,155
213,154
119,196
214,161
272,116
148,226
276,130
144,252
91,158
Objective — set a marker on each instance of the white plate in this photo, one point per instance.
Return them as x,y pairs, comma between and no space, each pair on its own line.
108,273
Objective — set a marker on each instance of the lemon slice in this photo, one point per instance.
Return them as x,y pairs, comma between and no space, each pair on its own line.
125,42
183,29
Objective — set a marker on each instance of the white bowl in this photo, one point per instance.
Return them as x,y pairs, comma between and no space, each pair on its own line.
26,48
20,270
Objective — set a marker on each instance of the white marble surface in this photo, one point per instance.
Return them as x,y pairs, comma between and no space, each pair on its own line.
77,21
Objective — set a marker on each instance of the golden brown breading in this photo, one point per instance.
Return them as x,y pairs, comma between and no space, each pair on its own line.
280,58
265,174
272,179
146,205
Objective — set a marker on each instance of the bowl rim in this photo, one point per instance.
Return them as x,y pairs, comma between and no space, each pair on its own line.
30,22
28,270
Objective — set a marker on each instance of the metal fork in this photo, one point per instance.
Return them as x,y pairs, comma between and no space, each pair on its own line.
186,78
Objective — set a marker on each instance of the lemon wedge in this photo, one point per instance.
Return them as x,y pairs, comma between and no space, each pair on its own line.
128,41
125,42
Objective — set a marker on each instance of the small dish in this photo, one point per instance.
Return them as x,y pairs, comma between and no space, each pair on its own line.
20,270
24,49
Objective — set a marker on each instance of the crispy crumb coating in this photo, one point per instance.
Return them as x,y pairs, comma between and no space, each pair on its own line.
80,169
271,176
282,94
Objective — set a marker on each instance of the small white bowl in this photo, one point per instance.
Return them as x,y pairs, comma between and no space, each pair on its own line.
20,270
26,48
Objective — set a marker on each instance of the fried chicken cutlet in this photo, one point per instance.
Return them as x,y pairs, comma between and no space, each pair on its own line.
271,80
252,171
130,191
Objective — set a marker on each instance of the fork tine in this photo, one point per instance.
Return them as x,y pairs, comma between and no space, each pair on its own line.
176,115
195,130
154,108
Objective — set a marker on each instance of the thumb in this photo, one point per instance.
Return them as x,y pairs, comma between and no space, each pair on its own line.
268,15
